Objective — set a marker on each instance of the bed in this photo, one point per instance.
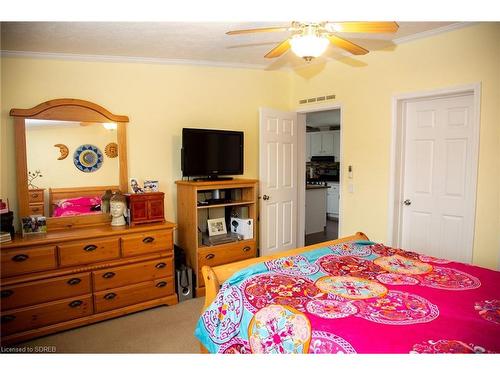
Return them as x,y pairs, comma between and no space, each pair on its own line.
350,296
77,200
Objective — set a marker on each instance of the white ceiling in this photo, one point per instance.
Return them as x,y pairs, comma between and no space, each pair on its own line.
190,42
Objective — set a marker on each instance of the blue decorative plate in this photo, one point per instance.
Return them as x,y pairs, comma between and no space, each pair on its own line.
88,158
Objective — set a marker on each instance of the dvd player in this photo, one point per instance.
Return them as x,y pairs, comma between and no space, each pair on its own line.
220,239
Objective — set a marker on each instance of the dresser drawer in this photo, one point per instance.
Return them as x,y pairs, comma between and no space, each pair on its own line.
35,209
35,196
33,317
25,260
222,254
52,289
132,294
147,242
89,251
132,273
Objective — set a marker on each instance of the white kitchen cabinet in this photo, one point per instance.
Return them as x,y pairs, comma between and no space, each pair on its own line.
308,146
336,144
332,200
316,199
322,143
316,144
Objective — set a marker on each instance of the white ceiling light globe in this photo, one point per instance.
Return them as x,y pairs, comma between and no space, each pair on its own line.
309,46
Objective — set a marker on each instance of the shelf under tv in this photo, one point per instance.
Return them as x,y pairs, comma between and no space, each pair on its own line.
232,203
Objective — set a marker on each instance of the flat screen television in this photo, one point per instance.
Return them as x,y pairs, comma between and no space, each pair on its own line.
210,153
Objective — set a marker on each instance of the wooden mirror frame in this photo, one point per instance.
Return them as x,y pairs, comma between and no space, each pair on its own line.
65,110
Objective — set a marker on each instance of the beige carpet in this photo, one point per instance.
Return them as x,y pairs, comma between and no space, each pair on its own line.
165,329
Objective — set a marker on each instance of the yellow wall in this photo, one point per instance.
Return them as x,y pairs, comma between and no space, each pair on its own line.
159,99
464,56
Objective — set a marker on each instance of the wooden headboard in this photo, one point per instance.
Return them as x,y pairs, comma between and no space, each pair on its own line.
57,194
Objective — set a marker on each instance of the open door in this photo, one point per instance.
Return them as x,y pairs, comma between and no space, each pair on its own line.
278,180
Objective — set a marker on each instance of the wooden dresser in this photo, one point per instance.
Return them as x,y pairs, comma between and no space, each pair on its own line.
65,279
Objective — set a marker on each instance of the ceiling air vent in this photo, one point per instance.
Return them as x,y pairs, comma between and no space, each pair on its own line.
317,99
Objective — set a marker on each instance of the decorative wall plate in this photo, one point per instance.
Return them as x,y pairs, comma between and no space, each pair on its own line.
88,158
63,149
111,150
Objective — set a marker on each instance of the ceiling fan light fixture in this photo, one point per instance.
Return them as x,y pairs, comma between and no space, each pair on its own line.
309,46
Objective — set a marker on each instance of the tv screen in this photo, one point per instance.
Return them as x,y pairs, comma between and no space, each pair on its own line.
211,153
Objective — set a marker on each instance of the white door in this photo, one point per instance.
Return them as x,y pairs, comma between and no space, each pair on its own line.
278,180
438,191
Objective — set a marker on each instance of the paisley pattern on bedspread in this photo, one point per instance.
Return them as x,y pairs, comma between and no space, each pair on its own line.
489,310
355,297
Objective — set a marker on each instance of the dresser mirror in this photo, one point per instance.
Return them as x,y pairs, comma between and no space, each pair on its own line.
69,153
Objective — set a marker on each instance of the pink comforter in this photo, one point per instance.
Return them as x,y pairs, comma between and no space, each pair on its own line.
356,298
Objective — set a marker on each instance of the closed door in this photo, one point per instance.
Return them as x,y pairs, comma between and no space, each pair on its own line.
278,180
438,189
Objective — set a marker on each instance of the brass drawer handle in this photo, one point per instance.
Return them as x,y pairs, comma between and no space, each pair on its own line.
35,209
90,248
109,296
7,293
148,239
247,248
74,281
209,256
109,275
74,304
161,284
35,195
20,257
8,318
161,265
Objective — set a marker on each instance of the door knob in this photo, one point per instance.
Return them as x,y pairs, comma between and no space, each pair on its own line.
265,197
407,202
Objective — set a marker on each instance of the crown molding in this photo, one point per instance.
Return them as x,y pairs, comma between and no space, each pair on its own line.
433,32
207,63
128,59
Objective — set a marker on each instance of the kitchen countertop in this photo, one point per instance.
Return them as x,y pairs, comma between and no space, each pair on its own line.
310,187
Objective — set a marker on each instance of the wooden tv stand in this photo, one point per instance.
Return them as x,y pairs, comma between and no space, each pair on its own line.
241,195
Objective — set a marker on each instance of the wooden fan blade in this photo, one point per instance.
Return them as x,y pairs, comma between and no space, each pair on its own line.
259,30
365,27
347,45
279,50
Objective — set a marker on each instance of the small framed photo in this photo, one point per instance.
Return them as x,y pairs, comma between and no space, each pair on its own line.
135,187
216,226
151,185
33,224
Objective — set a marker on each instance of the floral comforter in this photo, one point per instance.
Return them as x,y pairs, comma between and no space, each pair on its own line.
355,297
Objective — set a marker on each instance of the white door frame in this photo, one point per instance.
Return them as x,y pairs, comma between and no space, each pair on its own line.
397,151
301,162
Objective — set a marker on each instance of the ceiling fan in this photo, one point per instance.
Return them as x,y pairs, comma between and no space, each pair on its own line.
310,39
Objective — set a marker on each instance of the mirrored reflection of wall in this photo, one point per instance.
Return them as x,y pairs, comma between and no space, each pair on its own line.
41,136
